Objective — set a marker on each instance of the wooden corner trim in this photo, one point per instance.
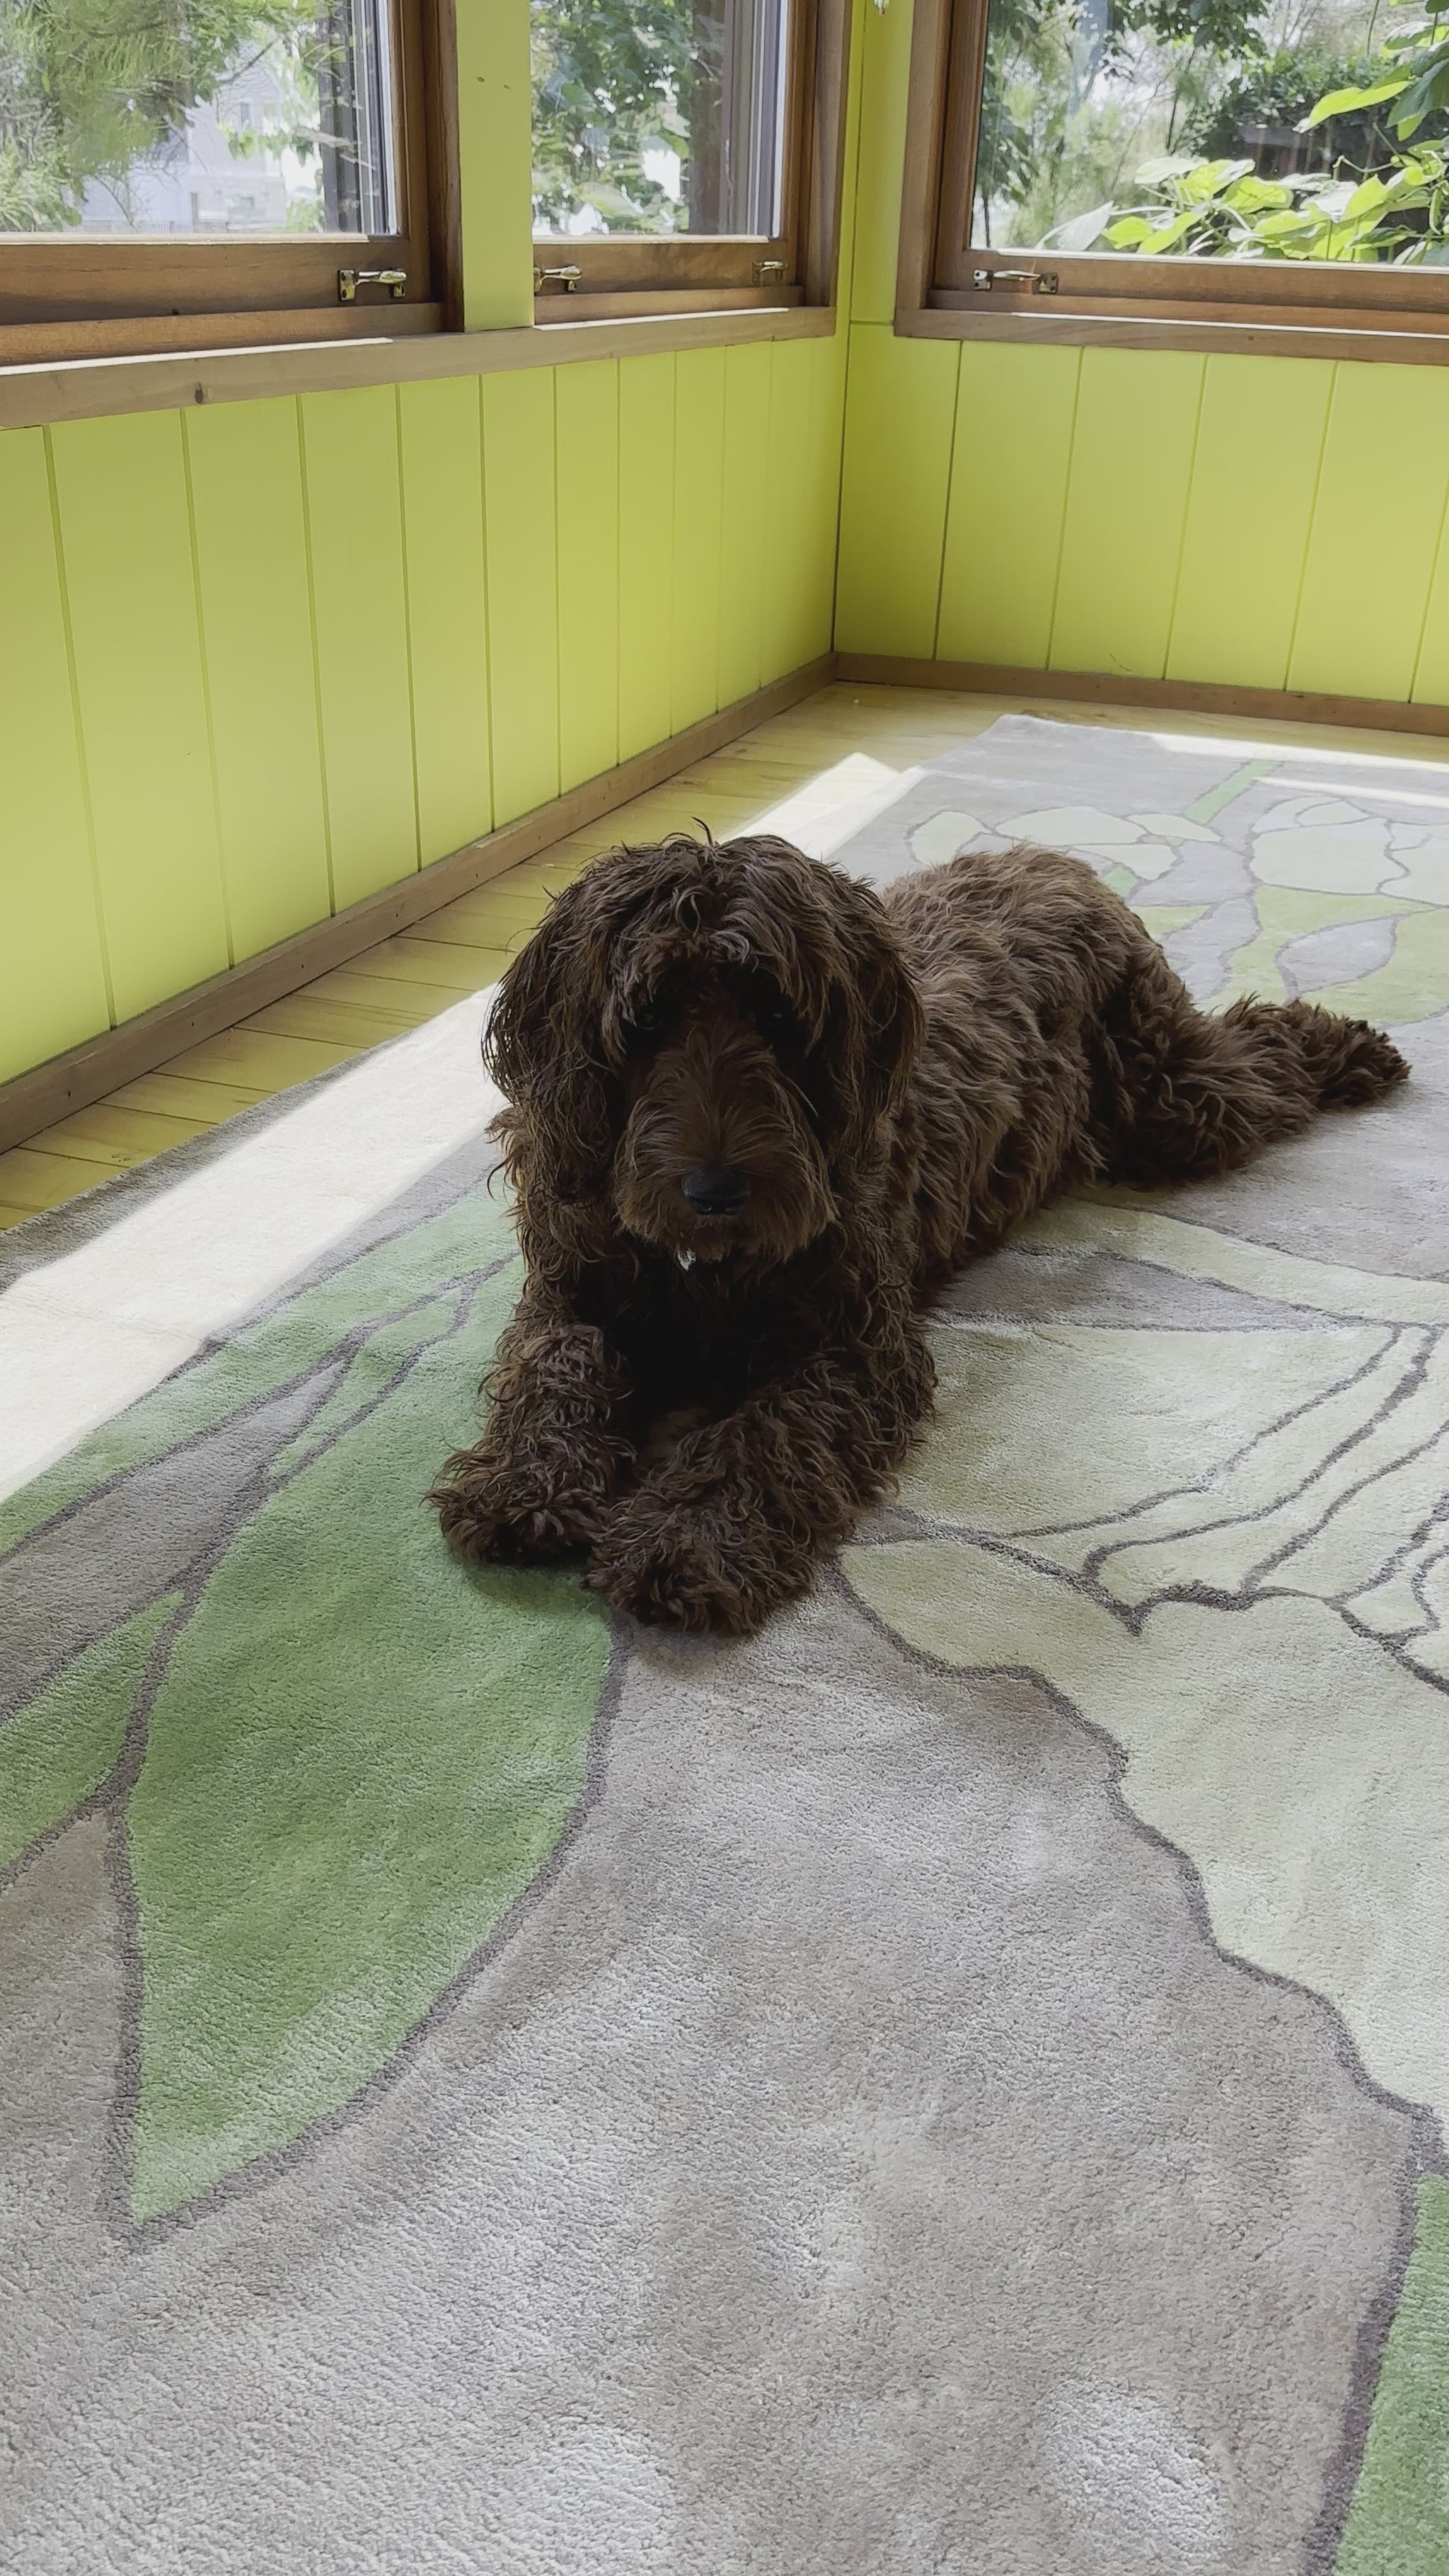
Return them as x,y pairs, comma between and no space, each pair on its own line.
85,1073
1114,689
45,391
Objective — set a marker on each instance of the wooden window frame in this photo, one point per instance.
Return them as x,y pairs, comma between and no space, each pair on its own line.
1328,309
78,295
635,273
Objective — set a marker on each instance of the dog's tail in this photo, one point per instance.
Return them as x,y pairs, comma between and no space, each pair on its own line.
1185,1094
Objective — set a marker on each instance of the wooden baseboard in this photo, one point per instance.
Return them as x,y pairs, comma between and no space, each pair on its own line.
101,1064
1109,689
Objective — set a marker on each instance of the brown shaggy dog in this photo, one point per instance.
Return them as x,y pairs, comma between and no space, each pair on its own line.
757,1119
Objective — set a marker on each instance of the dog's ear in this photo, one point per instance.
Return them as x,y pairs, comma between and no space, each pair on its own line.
543,1046
874,1027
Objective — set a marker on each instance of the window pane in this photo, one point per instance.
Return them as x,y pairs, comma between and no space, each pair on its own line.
194,116
1194,128
658,116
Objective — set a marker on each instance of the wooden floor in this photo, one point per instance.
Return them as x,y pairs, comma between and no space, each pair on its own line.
405,980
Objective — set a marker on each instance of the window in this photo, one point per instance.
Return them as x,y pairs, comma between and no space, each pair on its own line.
685,153
168,165
1215,160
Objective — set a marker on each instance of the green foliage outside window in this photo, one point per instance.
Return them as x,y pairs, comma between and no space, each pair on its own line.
94,89
612,81
1274,150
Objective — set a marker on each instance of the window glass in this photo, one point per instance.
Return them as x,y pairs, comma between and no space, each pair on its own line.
207,117
658,116
1314,130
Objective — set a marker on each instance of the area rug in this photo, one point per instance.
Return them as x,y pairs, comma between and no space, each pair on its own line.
953,2088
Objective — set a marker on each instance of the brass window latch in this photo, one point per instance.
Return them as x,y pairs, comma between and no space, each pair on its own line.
762,271
567,278
349,280
1042,281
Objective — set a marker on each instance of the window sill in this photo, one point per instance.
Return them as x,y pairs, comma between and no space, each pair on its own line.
1032,327
37,392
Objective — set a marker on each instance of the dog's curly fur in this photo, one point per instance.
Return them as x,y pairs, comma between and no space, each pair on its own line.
706,1402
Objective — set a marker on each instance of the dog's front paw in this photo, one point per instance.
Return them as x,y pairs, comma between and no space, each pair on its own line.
693,1570
511,1511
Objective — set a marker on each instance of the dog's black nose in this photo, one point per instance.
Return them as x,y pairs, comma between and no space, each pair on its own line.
718,1191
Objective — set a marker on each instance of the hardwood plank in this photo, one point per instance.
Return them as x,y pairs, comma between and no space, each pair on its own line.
245,465
699,423
126,541
1260,435
1008,503
354,510
489,934
178,1096
520,507
447,965
262,1060
34,1181
415,968
52,970
442,472
353,1027
893,491
390,995
586,401
1123,530
14,1216
646,536
1370,550
117,1138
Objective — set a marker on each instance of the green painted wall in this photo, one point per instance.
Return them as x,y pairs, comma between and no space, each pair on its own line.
259,660
1274,523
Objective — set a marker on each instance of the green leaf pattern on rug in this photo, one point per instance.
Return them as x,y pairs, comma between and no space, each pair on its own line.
58,1748
357,1760
356,1756
1398,2523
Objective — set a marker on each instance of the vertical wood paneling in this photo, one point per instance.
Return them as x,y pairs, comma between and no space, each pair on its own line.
587,411
442,470
744,473
787,508
829,365
646,547
1260,437
523,660
251,558
1014,416
1126,502
1431,672
1375,523
898,432
52,971
126,536
354,504
699,400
